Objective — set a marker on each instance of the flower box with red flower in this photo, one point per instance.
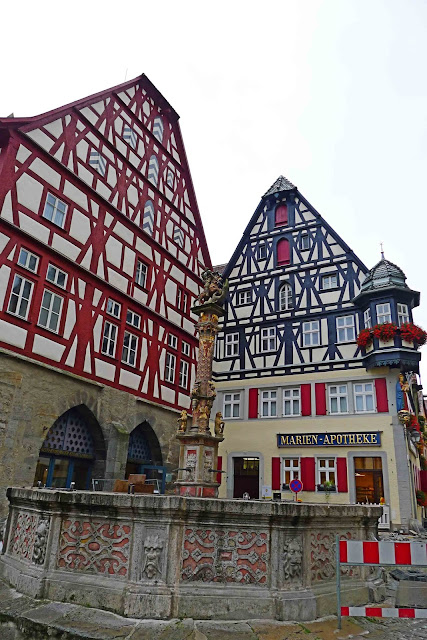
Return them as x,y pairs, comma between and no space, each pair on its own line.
385,331
364,339
411,333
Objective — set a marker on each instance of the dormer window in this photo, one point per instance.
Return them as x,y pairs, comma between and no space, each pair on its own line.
281,215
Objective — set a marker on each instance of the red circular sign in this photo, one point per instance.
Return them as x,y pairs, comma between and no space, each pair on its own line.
295,486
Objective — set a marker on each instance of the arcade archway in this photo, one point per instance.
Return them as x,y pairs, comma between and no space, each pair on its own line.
145,455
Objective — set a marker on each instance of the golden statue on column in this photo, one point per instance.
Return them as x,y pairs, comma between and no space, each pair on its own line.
198,455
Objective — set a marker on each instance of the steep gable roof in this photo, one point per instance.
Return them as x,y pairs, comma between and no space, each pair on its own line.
281,184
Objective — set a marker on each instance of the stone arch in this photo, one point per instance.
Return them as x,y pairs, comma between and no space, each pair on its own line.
145,454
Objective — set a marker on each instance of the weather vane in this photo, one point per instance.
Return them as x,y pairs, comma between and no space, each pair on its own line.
382,250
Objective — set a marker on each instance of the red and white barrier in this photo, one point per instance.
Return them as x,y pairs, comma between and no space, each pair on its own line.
379,612
383,553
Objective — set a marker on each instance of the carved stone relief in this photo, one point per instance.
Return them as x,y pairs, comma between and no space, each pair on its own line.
152,562
40,541
292,559
23,535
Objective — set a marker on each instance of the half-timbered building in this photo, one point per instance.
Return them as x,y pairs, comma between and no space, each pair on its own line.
102,248
300,398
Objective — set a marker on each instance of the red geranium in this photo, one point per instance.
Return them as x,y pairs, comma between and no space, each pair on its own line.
385,331
364,339
411,333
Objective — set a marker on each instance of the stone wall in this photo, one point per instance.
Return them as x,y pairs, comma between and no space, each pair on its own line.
33,396
167,556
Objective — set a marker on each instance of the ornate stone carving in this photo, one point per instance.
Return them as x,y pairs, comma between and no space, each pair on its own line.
292,558
182,422
218,555
23,536
219,424
323,556
214,288
40,541
94,547
153,547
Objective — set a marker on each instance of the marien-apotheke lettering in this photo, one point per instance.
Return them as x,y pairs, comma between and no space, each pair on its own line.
368,439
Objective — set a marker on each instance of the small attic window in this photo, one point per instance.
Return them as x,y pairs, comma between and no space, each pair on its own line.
283,252
158,129
129,136
281,215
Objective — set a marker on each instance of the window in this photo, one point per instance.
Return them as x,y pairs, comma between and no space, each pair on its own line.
244,297
183,374
113,308
329,282
262,251
20,297
185,348
170,368
148,218
269,403
290,470
170,178
326,470
28,260
50,311
231,406
268,339
133,319
130,343
109,339
367,319
304,242
283,252
129,135
98,162
158,128
285,297
402,313
178,236
141,274
55,210
338,399
281,215
172,341
153,170
364,397
291,402
383,313
56,276
232,344
345,329
182,300
310,334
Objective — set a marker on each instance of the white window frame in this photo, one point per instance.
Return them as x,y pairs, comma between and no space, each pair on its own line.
305,242
141,274
268,340
402,313
170,368
133,319
185,348
232,344
20,297
109,336
182,300
59,210
262,251
367,320
129,350
292,465
364,393
172,341
231,405
53,275
329,281
244,297
338,392
51,315
383,312
286,302
24,260
268,402
114,308
310,329
292,398
330,470
346,330
184,369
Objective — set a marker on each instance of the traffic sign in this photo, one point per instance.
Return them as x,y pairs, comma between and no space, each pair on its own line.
295,486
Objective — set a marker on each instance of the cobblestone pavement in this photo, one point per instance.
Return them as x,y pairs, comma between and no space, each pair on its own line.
380,629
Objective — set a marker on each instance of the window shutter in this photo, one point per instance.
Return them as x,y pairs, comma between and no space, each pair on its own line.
283,255
281,215
219,467
306,399
423,480
308,474
275,474
381,393
320,392
253,403
342,485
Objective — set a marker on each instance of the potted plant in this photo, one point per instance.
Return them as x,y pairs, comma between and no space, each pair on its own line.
328,487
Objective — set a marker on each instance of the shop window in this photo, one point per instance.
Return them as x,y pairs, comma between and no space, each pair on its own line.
368,480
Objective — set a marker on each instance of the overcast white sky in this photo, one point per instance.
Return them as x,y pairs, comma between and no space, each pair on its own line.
330,93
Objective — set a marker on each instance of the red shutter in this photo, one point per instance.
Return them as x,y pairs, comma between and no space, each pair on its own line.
283,255
423,480
219,467
281,215
275,474
381,392
320,392
308,474
306,399
342,485
253,403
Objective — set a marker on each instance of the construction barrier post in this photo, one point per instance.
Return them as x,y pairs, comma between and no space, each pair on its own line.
338,571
